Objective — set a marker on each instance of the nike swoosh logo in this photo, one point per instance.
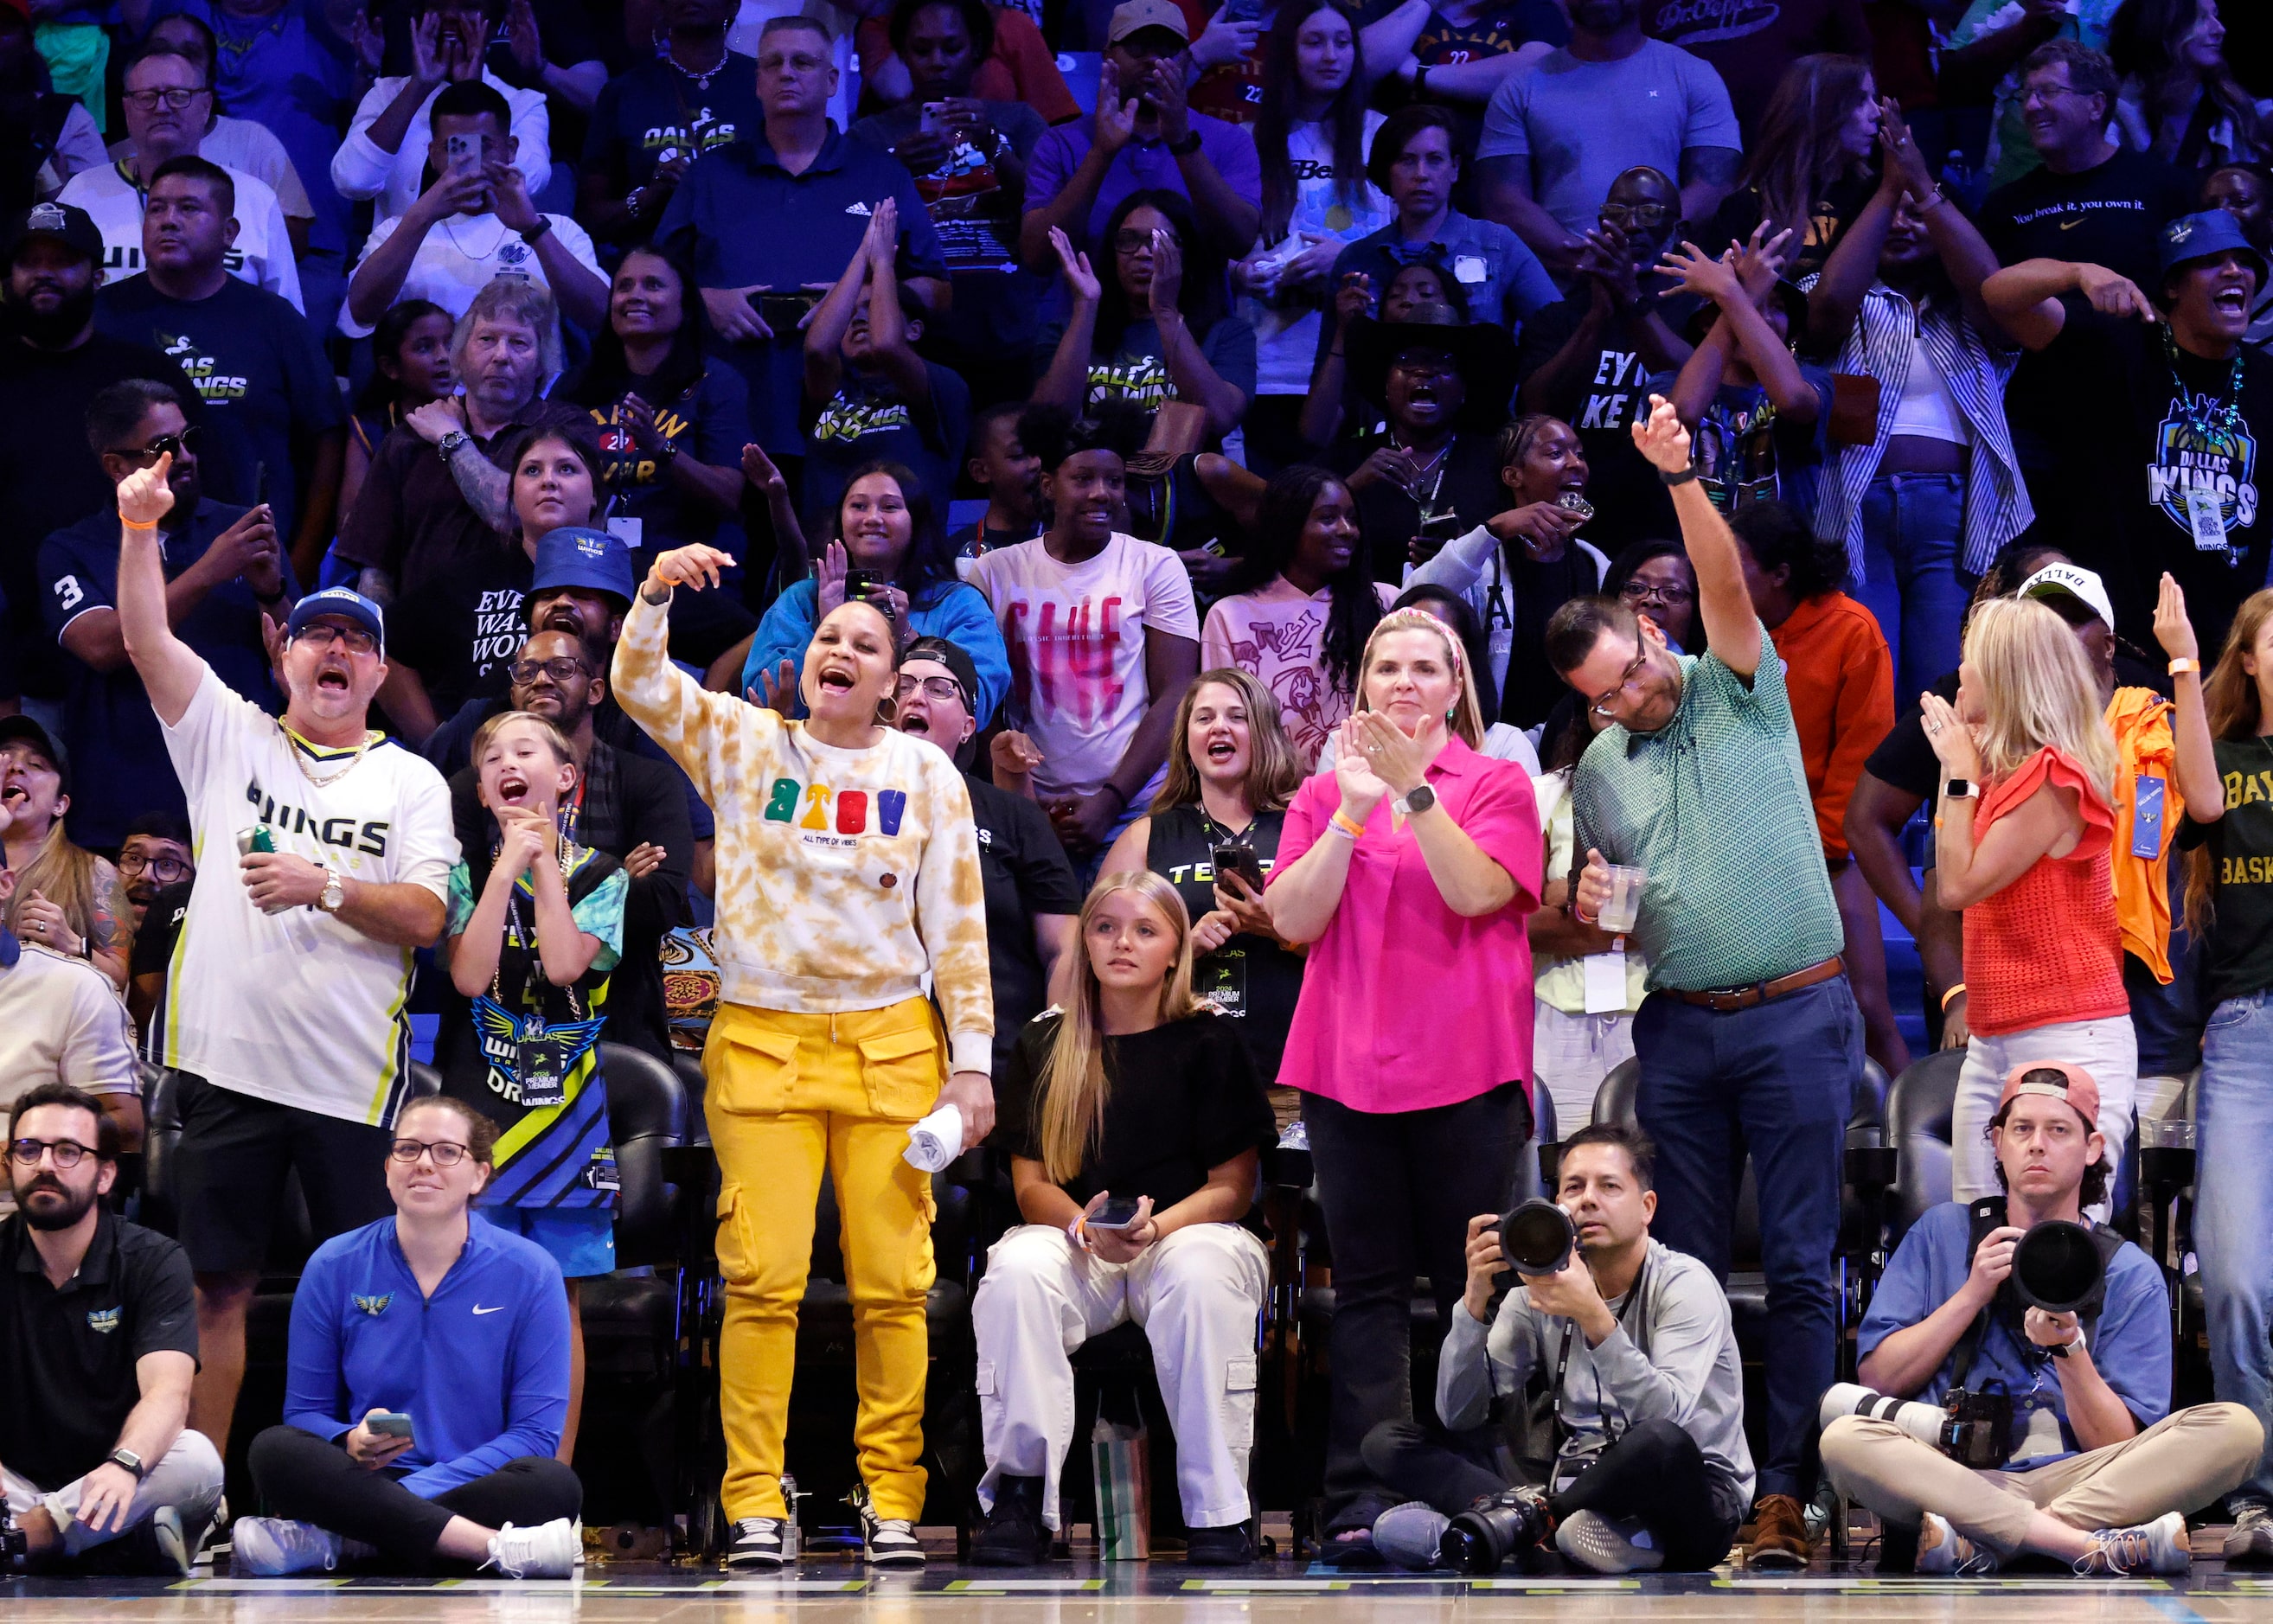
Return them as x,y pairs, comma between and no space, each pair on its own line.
499,1309
2069,225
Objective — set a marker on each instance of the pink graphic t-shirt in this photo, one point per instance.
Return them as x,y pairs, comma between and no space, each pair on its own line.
1076,634
1277,633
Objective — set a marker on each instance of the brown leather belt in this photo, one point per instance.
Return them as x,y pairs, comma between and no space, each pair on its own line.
1725,1000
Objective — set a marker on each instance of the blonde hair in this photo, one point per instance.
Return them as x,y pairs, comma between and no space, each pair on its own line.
1467,720
1274,772
2230,699
1072,1092
73,879
2037,691
554,738
518,299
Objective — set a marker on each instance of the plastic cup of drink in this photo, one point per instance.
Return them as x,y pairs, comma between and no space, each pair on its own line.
1625,906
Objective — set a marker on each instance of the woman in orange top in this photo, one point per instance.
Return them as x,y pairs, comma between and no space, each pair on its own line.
1840,678
2024,835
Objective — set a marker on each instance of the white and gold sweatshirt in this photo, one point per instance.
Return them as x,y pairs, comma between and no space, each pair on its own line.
844,875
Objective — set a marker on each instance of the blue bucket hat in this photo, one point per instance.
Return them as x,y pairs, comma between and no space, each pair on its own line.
343,603
579,555
2204,237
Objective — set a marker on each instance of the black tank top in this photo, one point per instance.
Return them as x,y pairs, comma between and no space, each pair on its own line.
1249,976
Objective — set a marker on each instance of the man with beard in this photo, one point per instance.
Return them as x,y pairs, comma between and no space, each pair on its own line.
98,1346
623,805
285,1011
1750,1035
1586,359
158,867
224,572
1032,899
60,1022
52,364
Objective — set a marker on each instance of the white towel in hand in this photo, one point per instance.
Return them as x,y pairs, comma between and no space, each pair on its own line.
936,1140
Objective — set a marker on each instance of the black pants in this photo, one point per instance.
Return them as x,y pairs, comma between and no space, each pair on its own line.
311,1479
1398,1189
1655,1473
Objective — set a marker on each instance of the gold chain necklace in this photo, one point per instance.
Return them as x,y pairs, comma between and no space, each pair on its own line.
301,749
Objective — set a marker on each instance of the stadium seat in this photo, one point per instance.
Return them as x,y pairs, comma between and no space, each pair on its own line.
1919,1110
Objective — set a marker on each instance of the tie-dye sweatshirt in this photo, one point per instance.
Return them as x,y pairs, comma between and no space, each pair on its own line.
844,876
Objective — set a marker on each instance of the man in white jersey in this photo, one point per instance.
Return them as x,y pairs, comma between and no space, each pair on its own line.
284,999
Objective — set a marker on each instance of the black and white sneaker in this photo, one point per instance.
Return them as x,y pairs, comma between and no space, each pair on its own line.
2250,1542
886,1542
756,1544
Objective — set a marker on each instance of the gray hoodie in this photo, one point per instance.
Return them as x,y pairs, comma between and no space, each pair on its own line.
1673,1357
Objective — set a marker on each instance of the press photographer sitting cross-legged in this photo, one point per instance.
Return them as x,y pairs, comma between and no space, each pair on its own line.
1651,1468
2098,1474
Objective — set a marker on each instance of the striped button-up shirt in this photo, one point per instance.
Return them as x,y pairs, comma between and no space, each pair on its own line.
1879,346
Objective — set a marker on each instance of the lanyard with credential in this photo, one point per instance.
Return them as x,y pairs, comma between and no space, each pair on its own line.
1563,1360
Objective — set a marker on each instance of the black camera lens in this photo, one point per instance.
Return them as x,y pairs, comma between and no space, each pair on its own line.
2057,1267
1537,1237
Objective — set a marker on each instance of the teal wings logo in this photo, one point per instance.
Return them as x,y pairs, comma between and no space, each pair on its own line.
103,1319
373,1305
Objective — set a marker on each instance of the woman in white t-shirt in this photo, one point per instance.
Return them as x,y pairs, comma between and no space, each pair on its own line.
1303,603
1311,135
1101,629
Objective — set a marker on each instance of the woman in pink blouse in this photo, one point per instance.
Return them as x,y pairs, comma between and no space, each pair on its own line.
1410,869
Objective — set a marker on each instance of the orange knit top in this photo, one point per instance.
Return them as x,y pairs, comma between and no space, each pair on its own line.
2046,948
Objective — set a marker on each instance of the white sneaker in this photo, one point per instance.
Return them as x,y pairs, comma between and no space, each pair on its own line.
2159,1547
1594,1541
549,1551
1942,1550
757,1543
885,1542
277,1547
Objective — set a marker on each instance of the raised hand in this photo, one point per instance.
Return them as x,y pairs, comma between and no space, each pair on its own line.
1116,124
1081,280
1695,271
144,496
427,63
1660,437
758,469
1362,789
1902,165
1951,739
431,422
528,45
695,566
1759,264
829,579
2172,630
775,690
1167,273
882,240
1354,298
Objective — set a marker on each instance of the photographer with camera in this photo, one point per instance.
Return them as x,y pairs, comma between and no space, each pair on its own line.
2049,1428
1651,1468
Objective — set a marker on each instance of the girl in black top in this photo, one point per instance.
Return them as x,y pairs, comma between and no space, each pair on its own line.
1231,771
1134,1089
411,366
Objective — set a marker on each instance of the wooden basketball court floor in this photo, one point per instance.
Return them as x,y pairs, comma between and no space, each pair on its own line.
1162,1592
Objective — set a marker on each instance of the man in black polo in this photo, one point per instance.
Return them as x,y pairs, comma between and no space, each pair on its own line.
98,1344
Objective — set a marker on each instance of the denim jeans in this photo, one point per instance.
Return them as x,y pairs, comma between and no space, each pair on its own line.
1913,535
2234,1208
1776,1080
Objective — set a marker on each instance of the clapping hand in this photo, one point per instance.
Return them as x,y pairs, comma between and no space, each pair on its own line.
1400,759
1361,788
1167,273
1081,281
775,690
1951,739
1115,123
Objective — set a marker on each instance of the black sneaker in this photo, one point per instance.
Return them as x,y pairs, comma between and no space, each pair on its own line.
757,1543
1219,1547
885,1542
1014,1534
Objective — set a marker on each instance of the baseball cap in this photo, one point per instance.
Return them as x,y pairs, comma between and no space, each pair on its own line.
941,652
343,603
2056,580
2199,237
578,556
73,227
1130,15
14,728
2071,1084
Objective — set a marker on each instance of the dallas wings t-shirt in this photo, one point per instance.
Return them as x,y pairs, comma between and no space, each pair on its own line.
297,1007
1076,634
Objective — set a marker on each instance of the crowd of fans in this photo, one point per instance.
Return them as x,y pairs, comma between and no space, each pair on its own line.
1124,583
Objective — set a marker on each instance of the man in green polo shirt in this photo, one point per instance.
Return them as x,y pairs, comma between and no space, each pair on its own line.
1749,1036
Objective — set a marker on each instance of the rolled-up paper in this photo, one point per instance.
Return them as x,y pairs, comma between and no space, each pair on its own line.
936,1140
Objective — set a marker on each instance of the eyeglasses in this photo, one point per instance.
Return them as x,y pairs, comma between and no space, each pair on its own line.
1638,591
560,667
165,445
173,100
2048,93
1131,241
355,639
1636,214
941,688
446,1153
1603,703
165,867
69,1153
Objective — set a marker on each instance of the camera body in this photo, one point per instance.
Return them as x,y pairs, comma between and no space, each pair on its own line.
1537,1237
1496,1527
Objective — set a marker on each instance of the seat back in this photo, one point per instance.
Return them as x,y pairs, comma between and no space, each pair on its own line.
1614,1101
1919,1105
646,1116
691,1083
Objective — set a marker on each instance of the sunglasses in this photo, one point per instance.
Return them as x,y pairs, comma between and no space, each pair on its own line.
174,445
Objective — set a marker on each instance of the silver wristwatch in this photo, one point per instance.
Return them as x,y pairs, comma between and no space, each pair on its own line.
335,891
451,443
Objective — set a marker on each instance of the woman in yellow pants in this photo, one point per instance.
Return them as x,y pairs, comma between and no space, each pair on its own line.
848,870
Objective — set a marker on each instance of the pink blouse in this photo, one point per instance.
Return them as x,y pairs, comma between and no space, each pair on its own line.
1405,1004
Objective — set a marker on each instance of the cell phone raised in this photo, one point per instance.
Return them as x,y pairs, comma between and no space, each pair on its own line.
1118,1213
1235,858
463,153
860,583
390,1424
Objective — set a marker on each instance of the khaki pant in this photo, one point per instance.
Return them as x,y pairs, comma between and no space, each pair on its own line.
2182,1461
790,1095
